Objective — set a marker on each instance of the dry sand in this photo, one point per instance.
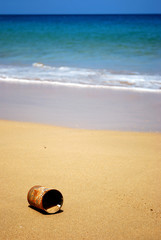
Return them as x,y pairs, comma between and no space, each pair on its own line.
111,182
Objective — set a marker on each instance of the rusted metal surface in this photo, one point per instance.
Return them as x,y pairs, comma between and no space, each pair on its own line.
47,199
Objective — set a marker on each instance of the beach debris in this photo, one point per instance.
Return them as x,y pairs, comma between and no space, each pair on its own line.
47,199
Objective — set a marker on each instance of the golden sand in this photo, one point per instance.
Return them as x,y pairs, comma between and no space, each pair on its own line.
110,181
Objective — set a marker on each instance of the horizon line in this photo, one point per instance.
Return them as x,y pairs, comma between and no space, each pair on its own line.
74,14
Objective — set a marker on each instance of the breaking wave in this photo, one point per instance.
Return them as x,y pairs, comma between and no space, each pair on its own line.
79,77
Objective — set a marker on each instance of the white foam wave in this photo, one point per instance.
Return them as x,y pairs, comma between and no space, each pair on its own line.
39,82
80,77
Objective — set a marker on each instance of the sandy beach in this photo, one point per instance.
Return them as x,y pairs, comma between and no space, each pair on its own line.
80,112
82,108
110,181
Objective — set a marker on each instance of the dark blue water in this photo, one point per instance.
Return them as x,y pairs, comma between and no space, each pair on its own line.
84,50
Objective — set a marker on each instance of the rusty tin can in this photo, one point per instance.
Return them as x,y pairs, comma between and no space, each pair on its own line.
47,199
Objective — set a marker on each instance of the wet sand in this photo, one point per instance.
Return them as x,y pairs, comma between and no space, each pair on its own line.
110,181
85,108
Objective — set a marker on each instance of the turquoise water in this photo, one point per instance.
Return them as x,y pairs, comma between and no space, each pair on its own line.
82,50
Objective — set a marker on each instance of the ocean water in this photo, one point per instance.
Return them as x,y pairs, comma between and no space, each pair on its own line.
122,51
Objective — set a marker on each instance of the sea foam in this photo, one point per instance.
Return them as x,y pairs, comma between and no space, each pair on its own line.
79,77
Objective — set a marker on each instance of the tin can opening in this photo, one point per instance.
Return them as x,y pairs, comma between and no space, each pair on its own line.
52,201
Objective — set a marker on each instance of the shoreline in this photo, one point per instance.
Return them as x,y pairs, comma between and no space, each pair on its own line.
110,182
133,81
85,108
77,85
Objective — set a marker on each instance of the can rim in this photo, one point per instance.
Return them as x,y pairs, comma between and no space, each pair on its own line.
58,201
